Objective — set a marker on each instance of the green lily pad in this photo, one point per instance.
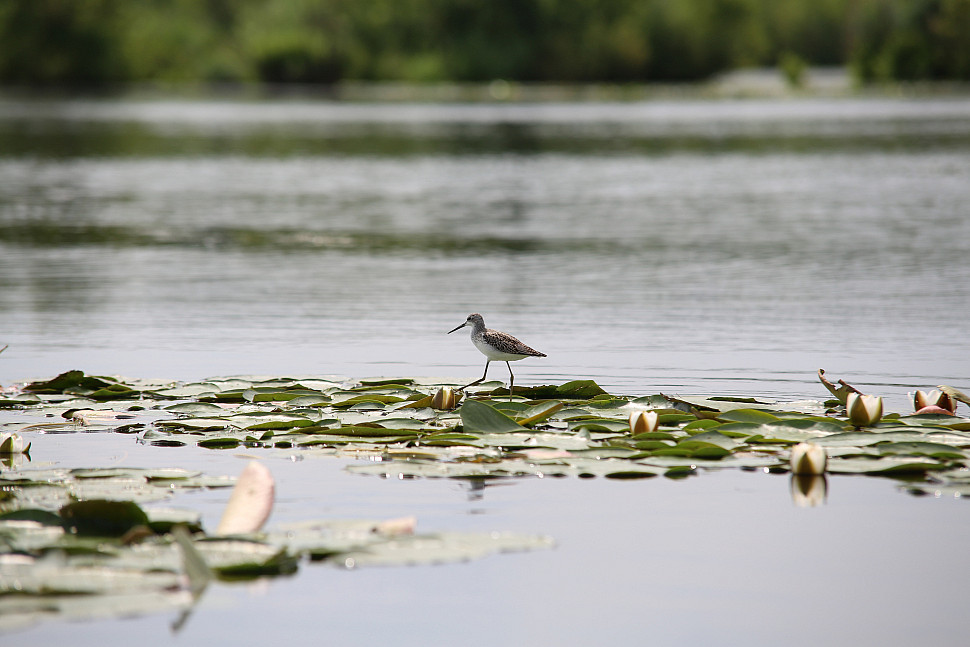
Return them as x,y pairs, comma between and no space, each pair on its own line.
755,416
103,518
889,465
538,413
477,417
67,380
197,409
919,448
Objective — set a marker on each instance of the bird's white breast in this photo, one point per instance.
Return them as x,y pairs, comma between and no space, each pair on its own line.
492,353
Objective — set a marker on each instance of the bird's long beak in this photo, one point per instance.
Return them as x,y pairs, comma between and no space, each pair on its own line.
457,328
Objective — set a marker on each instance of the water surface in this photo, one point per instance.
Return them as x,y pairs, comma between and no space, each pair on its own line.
680,245
729,247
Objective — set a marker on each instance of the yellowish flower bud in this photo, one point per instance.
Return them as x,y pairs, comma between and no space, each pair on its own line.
12,444
808,458
863,410
444,399
643,421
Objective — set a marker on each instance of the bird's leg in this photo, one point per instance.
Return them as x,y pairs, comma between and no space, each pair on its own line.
479,380
511,380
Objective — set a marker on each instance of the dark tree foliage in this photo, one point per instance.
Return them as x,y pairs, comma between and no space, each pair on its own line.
91,42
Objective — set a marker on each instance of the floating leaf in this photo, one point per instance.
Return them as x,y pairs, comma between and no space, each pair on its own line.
539,412
199,409
920,448
103,518
477,416
65,381
755,416
889,465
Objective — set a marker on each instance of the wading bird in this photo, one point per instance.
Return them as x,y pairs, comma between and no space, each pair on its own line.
495,346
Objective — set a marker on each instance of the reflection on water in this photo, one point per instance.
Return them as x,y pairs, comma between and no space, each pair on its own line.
692,246
809,490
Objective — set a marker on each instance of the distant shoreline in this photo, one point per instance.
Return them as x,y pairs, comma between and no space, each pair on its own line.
749,83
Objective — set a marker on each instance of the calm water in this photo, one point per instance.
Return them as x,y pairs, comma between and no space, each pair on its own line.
677,246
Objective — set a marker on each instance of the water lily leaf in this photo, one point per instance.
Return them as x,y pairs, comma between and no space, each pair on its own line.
429,469
368,431
103,518
28,579
692,449
655,435
755,416
114,392
441,548
596,452
601,425
675,419
367,398
257,422
476,416
240,558
512,440
778,432
67,380
199,424
651,445
37,515
198,409
958,490
309,401
189,390
710,438
221,442
23,399
451,439
401,423
652,402
934,420
698,425
933,450
863,438
812,423
716,404
387,381
228,395
162,520
538,413
886,465
575,390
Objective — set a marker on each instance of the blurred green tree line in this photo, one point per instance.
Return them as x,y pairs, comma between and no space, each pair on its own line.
92,42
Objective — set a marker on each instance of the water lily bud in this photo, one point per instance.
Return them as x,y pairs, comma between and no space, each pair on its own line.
444,399
12,444
863,410
643,421
935,401
808,458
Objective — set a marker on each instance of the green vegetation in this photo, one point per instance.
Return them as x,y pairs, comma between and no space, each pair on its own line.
97,42
571,429
95,542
